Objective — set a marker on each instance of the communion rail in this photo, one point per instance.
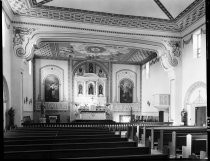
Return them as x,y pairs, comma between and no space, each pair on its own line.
111,126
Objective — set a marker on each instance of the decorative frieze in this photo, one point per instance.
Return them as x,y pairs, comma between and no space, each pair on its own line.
53,106
125,107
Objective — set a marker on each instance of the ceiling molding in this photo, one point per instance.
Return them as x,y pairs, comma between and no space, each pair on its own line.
94,30
20,8
162,7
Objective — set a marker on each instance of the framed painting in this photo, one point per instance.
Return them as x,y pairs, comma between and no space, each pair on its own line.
126,91
51,89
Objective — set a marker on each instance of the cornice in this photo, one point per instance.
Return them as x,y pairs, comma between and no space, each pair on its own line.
93,30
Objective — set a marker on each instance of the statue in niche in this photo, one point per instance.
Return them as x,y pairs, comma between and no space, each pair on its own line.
100,89
90,89
90,68
80,89
100,73
80,72
126,91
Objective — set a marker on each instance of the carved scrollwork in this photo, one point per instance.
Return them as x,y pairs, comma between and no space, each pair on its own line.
171,54
21,39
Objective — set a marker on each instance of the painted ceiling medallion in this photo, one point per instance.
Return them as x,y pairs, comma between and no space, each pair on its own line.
95,49
99,49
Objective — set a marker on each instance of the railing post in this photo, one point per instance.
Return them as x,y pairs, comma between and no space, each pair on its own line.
152,138
144,136
161,141
137,134
173,145
132,132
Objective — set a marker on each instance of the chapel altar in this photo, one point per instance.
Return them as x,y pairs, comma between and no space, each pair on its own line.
90,95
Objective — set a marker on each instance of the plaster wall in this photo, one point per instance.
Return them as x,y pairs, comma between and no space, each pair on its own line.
6,60
194,70
157,83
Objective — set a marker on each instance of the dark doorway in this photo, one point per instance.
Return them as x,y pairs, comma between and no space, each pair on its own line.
161,116
200,116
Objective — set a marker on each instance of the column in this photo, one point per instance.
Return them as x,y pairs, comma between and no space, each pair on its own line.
110,82
70,81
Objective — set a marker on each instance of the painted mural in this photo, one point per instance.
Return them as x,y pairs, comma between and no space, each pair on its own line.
51,89
126,91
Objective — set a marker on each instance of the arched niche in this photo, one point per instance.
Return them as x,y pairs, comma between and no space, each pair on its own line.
196,96
51,71
129,76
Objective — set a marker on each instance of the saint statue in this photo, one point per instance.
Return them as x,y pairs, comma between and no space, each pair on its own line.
100,89
80,89
90,89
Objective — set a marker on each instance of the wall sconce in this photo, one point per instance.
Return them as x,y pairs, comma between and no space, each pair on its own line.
148,103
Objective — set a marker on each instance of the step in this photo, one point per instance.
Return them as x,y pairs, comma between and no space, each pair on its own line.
51,146
71,153
152,157
56,133
15,137
56,140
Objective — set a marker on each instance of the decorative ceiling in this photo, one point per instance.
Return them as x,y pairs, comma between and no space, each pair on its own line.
167,15
62,50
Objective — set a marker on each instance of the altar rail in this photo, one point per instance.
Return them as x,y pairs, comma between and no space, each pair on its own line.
111,126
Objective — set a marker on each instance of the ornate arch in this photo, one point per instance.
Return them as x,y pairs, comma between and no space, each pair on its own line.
191,89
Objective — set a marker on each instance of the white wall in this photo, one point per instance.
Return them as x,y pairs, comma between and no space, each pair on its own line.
6,58
158,83
194,69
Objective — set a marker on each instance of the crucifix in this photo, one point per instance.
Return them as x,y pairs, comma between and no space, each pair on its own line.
92,98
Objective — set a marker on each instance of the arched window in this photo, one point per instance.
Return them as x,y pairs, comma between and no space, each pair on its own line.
126,91
51,89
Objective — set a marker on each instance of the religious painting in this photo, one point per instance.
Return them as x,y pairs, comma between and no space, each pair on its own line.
52,89
90,68
126,91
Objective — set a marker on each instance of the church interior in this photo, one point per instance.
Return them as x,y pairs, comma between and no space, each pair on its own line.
95,79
